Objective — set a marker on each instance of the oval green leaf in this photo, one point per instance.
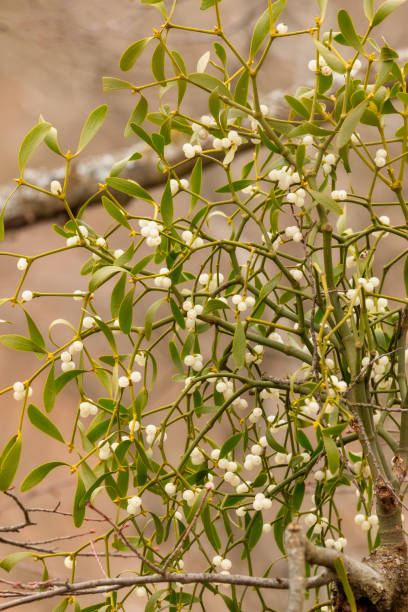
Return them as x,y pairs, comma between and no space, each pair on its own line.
43,423
92,126
131,54
30,143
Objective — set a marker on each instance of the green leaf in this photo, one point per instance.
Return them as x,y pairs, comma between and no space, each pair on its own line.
174,354
129,187
114,211
332,453
79,509
11,560
141,264
235,186
269,287
20,343
263,26
30,143
150,314
38,474
368,9
51,140
213,305
342,574
327,202
230,444
323,8
126,312
102,275
158,63
241,88
214,104
254,531
209,528
138,116
118,294
206,4
273,443
209,82
151,604
350,123
195,182
331,59
10,459
239,345
386,9
297,106
49,392
33,331
62,606
300,157
113,84
43,423
304,440
166,205
406,275
92,126
347,29
132,53
65,378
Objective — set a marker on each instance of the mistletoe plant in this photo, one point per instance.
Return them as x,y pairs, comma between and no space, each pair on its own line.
192,486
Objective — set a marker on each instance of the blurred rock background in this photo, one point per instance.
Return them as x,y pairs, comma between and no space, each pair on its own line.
53,56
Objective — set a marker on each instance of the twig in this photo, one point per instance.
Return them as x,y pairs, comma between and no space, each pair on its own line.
296,567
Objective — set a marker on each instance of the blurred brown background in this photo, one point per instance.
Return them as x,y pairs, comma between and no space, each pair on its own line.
53,56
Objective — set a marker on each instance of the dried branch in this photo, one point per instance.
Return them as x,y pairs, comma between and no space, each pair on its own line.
296,567
111,584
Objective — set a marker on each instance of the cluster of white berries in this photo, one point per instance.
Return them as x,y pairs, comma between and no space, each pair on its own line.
232,140
380,158
196,456
226,387
151,432
212,281
221,564
311,407
283,458
243,302
255,356
369,284
255,415
366,522
192,312
134,505
191,150
252,461
22,264
164,282
261,502
296,197
292,232
339,195
125,381
151,231
194,361
338,385
329,161
67,362
285,177
338,544
76,239
323,67
105,450
188,238
190,496
380,366
175,186
87,409
19,391
89,322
